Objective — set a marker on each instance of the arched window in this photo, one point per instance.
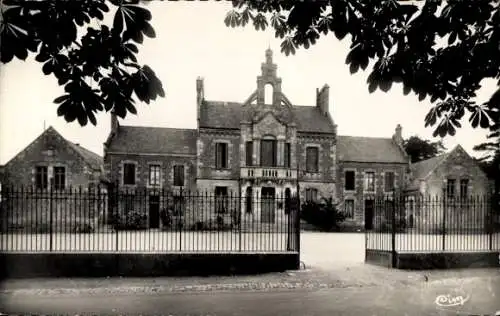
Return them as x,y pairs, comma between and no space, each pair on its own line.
268,93
249,199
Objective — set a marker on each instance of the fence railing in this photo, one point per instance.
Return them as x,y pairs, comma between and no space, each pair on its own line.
432,223
146,219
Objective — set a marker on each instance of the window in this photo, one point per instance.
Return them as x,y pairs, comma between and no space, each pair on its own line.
249,153
59,178
464,188
179,175
268,153
349,208
311,195
287,155
128,201
450,188
221,199
129,173
370,181
154,175
389,181
312,159
249,199
41,180
221,155
350,181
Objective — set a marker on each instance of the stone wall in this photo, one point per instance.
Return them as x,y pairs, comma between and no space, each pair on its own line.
358,194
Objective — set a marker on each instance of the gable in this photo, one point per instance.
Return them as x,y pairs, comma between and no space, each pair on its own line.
458,162
50,146
269,124
369,149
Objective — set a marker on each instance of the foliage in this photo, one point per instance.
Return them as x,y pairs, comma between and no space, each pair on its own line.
217,224
324,214
420,149
99,70
132,220
435,49
491,161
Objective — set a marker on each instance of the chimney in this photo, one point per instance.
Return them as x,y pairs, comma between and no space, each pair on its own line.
200,91
200,96
322,99
114,122
398,136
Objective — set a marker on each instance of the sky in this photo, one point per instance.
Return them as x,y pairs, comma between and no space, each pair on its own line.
192,40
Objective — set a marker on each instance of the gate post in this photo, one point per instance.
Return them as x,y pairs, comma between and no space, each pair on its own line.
393,229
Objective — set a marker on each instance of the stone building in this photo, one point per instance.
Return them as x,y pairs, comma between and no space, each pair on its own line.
451,182
52,176
262,149
53,161
265,147
369,168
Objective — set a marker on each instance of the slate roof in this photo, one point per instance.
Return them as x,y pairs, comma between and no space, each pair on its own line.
93,159
369,149
154,140
420,170
214,114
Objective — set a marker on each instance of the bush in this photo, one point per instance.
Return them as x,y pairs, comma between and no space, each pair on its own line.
133,220
323,215
216,224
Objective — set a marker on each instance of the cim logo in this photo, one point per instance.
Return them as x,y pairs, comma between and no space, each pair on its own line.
448,300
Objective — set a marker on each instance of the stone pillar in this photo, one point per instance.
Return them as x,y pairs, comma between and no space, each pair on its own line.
281,149
256,151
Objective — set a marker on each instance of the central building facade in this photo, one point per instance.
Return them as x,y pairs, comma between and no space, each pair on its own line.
265,146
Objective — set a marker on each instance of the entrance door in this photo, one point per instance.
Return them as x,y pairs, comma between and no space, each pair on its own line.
267,214
369,214
154,211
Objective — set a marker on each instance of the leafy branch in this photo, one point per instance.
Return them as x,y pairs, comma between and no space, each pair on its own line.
49,29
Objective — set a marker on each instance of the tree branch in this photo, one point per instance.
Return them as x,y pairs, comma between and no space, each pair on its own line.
132,65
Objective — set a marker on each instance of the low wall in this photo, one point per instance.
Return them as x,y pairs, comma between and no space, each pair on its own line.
433,260
45,264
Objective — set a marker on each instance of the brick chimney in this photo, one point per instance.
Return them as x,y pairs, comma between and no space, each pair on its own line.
323,99
398,136
114,122
200,96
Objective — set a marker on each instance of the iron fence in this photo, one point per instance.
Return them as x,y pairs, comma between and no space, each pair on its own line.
432,224
97,219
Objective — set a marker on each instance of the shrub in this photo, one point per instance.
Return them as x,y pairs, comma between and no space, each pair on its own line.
133,220
323,215
216,224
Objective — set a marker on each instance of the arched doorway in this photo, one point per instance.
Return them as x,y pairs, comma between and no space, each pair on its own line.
268,212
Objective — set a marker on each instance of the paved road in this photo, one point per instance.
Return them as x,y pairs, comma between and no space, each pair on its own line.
481,298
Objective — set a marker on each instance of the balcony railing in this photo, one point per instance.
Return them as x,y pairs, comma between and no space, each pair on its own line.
268,173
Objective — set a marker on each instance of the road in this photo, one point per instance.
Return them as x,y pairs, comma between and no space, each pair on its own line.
480,298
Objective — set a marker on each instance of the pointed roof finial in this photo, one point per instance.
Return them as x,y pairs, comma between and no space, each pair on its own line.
269,56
